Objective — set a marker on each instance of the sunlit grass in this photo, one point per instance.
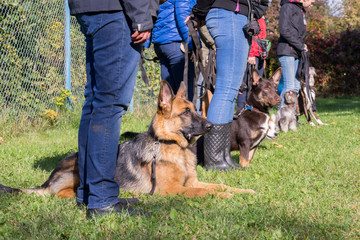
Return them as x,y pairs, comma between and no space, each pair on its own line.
307,186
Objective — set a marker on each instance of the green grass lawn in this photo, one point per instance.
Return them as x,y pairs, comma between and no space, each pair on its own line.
307,185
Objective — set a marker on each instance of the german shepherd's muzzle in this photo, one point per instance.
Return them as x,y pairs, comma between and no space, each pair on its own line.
160,156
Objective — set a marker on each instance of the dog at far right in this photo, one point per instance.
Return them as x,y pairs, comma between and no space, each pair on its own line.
285,117
306,102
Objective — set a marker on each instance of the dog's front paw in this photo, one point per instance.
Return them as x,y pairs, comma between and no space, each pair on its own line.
224,195
239,190
321,123
312,124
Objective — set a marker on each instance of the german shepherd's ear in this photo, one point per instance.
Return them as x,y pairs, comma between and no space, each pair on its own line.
181,93
276,76
166,96
255,77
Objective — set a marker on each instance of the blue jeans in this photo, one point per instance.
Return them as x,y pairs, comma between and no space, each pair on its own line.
172,61
242,98
289,66
232,50
111,68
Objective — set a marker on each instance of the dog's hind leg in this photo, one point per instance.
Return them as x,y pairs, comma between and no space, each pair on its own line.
292,125
284,125
317,119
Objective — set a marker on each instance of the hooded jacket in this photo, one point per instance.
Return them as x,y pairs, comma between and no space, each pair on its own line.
140,12
292,28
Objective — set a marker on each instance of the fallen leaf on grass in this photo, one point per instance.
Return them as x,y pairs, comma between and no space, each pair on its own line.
277,145
333,122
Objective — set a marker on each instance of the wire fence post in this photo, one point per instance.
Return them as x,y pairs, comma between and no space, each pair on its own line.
67,47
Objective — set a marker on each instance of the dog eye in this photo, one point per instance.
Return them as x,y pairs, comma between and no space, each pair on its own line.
186,112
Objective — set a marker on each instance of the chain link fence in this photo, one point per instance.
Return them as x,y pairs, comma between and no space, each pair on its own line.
32,56
32,59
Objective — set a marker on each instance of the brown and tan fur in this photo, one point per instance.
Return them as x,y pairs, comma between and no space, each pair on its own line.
175,126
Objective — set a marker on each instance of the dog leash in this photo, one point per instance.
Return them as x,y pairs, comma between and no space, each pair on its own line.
156,150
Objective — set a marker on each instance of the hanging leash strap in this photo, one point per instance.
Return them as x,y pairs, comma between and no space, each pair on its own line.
197,58
156,150
142,69
303,70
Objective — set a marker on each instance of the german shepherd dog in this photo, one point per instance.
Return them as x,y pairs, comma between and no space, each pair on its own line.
251,123
157,161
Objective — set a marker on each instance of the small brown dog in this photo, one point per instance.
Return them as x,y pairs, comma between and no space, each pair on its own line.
251,124
158,161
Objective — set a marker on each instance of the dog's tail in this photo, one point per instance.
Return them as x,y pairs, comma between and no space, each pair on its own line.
38,190
63,181
5,189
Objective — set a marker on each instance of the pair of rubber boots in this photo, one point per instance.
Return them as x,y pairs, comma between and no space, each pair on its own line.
213,150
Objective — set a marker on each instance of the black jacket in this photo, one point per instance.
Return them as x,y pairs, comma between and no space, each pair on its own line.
202,7
140,12
292,28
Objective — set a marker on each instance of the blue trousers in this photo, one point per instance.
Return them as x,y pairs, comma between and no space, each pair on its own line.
289,66
111,68
172,61
232,51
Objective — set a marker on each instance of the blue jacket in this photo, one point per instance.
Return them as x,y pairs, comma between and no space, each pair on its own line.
170,25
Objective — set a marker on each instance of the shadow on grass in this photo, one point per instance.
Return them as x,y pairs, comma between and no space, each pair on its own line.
246,220
338,104
49,163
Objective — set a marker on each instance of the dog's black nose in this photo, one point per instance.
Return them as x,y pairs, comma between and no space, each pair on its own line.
208,126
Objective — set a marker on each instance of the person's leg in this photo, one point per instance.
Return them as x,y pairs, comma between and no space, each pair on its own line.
232,50
289,67
172,61
260,66
164,64
112,65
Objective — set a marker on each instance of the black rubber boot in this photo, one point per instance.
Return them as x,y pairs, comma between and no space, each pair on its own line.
217,148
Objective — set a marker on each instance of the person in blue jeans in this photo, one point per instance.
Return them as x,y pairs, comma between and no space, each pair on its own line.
225,20
114,32
169,33
292,28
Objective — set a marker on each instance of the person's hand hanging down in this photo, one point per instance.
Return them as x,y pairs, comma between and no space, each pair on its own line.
252,60
140,37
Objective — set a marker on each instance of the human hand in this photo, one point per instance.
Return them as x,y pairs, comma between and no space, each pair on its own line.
140,37
306,48
187,19
197,22
252,60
